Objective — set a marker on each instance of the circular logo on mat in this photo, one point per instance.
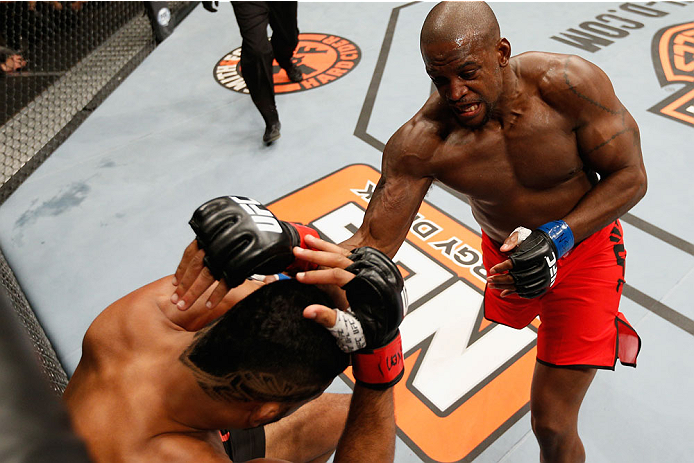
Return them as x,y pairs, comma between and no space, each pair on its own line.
672,57
321,58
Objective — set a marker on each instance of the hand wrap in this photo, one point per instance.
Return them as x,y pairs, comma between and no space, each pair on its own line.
241,237
535,260
378,299
348,332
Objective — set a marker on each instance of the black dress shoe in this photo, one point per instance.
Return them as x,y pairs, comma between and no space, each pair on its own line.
294,74
272,133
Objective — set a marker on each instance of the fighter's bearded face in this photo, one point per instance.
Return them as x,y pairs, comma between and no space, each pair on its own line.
467,75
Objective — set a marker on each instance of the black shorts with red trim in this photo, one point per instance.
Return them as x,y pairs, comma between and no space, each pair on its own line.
243,444
581,325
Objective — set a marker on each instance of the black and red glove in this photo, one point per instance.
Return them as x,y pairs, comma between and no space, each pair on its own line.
241,237
378,300
535,259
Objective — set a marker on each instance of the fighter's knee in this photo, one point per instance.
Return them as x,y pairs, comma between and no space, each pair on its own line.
549,429
294,438
558,439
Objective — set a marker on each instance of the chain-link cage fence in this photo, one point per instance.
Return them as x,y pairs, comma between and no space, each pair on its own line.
44,350
58,62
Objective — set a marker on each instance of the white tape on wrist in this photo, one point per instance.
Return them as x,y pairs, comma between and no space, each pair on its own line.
523,233
405,301
348,332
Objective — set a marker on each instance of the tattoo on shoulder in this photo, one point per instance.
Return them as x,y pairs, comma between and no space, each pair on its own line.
621,112
574,90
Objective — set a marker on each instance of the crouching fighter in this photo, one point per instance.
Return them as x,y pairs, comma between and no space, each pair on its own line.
156,383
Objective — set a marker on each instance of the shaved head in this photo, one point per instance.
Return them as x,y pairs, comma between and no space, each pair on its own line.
460,22
466,59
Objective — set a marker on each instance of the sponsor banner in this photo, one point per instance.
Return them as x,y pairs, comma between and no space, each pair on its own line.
467,380
321,58
672,50
615,24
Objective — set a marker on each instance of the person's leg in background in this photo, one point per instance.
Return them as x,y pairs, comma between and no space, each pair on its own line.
256,62
285,36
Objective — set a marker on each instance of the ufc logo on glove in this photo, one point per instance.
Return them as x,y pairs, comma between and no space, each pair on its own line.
263,218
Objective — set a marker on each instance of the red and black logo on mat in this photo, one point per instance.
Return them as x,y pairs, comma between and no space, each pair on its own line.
321,58
673,57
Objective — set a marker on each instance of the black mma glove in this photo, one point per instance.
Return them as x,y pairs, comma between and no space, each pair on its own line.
378,300
241,237
535,259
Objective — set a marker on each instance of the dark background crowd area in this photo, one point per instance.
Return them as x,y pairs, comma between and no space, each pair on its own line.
51,37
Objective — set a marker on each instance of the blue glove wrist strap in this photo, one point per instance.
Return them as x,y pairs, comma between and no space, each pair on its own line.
561,235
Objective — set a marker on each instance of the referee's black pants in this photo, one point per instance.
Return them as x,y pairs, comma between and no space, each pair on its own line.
257,52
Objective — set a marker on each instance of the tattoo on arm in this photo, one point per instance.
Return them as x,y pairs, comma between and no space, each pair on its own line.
621,112
609,140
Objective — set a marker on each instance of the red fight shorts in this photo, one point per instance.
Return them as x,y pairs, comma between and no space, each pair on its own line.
580,322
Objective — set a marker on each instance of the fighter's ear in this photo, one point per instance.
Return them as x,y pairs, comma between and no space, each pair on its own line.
265,413
504,51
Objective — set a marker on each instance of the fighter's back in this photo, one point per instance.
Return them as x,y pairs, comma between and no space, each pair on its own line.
120,393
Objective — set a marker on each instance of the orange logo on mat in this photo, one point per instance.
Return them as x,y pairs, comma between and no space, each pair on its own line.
322,58
467,380
673,56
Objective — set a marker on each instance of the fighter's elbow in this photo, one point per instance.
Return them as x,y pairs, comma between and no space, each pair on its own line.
636,189
641,184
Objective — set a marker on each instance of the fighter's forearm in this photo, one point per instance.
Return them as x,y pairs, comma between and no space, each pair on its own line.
613,196
386,223
369,434
384,228
392,209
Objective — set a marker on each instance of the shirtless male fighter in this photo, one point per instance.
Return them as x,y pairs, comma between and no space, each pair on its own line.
538,141
158,384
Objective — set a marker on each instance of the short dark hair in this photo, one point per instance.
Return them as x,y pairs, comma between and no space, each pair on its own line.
263,349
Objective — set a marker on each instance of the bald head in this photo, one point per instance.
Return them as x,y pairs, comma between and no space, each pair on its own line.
460,22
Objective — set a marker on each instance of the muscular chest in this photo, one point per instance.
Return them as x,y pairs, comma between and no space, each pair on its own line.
532,150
